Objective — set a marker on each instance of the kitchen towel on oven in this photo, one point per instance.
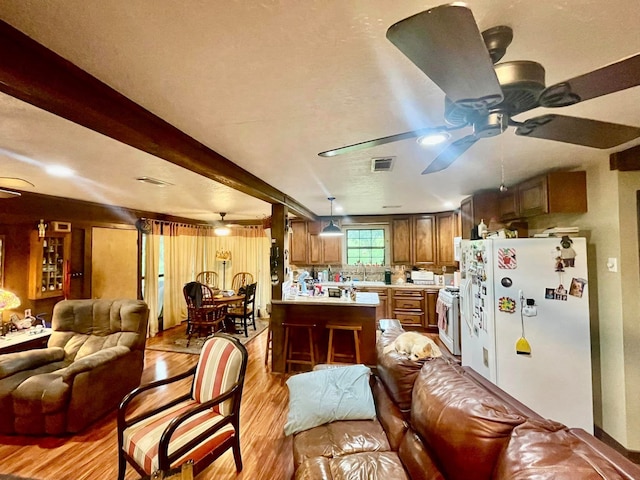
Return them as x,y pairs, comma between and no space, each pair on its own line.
441,312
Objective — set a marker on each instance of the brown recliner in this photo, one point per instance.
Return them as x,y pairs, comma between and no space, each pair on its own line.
94,357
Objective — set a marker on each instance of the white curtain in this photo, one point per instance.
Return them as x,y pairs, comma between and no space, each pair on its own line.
189,250
151,280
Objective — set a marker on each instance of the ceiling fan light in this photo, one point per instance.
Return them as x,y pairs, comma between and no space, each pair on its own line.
222,231
433,139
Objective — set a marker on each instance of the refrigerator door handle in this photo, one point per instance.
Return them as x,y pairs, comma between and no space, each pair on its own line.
466,303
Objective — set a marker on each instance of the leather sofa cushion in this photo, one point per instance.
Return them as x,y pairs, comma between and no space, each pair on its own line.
389,415
397,372
338,439
417,460
359,466
547,450
464,425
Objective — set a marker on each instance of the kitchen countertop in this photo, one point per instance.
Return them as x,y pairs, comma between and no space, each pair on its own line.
363,299
358,284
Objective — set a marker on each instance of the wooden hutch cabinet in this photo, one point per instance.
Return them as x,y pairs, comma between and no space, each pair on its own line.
48,257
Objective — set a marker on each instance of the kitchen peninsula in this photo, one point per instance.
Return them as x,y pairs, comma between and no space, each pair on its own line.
319,310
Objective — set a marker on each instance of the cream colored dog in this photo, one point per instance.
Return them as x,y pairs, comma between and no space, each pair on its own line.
414,345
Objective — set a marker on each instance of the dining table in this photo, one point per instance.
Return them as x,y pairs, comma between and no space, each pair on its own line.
229,326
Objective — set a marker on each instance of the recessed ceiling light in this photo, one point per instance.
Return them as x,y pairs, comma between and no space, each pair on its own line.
339,208
433,138
448,205
59,171
153,181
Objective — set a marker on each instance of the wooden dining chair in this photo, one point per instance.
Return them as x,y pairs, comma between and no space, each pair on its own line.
241,279
246,312
209,278
203,316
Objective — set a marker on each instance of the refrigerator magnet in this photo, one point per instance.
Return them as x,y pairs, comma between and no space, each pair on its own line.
576,289
506,282
506,305
560,293
567,253
507,258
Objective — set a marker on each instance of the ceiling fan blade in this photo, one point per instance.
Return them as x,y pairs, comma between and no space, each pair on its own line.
382,141
603,81
450,154
8,193
445,43
578,131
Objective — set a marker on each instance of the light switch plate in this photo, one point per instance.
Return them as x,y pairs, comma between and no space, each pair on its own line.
612,264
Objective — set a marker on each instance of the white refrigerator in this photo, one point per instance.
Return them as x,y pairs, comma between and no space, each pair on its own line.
534,288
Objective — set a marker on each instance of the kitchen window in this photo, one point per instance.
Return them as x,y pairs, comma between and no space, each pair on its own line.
367,245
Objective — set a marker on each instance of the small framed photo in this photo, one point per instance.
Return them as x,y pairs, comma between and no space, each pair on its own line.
549,293
576,288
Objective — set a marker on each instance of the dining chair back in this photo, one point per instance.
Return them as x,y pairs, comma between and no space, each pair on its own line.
209,278
199,426
203,316
245,313
240,280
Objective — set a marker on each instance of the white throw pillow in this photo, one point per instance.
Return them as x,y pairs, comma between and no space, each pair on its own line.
324,396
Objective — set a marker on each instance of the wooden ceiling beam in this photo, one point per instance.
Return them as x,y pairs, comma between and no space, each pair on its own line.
33,73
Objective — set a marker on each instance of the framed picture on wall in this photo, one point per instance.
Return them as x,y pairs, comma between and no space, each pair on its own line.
1,261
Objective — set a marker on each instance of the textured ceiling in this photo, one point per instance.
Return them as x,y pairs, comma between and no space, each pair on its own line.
270,84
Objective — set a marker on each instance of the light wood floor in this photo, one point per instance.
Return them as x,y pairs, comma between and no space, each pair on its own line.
92,455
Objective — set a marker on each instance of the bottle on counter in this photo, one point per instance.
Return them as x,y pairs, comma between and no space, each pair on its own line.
482,229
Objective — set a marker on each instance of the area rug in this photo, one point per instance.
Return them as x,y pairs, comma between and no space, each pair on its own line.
195,345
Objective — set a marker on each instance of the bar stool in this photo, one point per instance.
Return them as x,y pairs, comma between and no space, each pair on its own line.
289,353
331,354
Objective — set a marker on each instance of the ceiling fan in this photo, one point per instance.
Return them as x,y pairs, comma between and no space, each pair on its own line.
485,95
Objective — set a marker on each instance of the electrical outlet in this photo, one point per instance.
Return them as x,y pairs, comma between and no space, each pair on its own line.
612,264
27,313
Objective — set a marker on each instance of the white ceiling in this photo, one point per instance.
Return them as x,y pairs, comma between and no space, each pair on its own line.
269,84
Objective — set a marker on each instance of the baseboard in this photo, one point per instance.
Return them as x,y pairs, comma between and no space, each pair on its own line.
613,443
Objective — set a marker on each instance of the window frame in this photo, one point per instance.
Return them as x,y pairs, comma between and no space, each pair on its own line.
368,226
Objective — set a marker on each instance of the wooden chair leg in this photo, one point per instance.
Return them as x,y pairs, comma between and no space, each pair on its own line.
330,348
286,355
356,339
268,346
311,348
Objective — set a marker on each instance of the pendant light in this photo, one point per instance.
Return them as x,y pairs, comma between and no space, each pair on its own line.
331,230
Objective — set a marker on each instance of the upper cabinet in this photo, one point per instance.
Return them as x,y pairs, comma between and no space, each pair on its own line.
424,240
401,244
298,243
555,192
481,206
309,248
48,264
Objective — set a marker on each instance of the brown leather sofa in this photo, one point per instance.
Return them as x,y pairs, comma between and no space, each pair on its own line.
94,357
437,420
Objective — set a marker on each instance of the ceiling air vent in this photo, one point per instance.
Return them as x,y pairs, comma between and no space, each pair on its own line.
382,164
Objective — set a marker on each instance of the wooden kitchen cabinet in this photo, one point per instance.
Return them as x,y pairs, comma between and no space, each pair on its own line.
48,261
424,240
508,208
382,310
299,240
431,297
555,192
309,248
445,231
401,245
480,206
408,306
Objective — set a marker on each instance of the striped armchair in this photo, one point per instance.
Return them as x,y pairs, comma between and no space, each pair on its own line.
198,426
